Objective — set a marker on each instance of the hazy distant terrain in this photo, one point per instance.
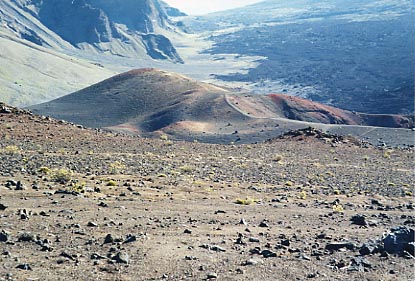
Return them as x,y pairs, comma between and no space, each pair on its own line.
357,55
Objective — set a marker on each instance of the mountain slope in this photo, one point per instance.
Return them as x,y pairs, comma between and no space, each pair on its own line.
31,73
96,26
150,102
53,47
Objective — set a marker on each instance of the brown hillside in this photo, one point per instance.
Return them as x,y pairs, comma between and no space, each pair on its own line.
150,102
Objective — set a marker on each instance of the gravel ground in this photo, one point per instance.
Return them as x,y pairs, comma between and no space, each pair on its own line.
90,205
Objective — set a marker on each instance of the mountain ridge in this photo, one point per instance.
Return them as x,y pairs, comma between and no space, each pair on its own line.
93,24
52,48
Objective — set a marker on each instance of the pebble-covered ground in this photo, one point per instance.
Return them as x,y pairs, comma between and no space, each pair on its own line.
82,204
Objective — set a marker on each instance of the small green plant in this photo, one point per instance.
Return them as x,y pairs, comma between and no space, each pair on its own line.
111,183
408,193
61,175
198,183
337,208
168,143
302,195
44,170
387,154
78,187
11,149
116,167
164,137
336,192
289,183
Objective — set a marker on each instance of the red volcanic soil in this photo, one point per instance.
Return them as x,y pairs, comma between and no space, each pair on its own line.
305,110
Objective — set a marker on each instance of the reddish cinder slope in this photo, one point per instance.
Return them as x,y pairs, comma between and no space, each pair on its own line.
296,108
304,110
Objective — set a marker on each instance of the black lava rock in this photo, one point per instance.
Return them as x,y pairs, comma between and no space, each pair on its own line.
359,220
4,236
26,237
399,239
268,254
24,266
339,245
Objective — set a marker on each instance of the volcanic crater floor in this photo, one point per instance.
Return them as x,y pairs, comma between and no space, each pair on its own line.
90,205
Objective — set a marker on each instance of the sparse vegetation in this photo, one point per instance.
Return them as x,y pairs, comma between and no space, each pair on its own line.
387,153
11,149
168,143
78,187
61,175
44,170
289,183
164,137
302,195
111,183
116,167
337,208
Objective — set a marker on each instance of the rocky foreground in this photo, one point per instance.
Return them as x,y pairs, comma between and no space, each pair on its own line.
82,204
